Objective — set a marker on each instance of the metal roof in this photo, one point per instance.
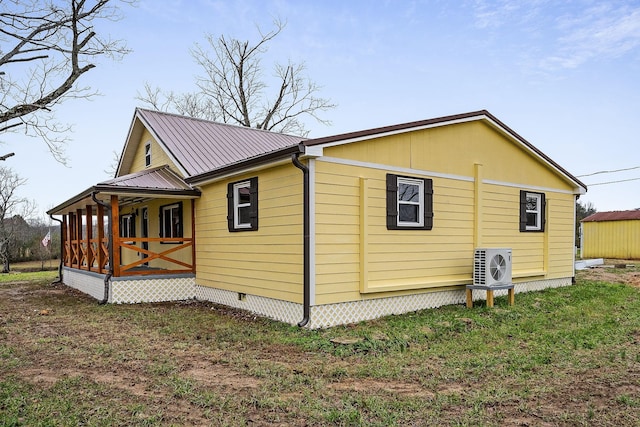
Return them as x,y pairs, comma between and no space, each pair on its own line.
159,178
613,216
202,146
133,188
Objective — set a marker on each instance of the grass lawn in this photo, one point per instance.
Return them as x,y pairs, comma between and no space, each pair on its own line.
568,356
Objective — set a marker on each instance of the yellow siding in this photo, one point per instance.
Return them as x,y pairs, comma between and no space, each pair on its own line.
158,156
407,260
454,149
267,262
351,209
611,239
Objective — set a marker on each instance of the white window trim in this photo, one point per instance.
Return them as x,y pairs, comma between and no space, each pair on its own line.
169,208
420,203
537,211
147,154
237,205
126,221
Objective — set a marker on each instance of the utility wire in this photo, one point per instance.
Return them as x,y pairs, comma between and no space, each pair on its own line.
613,182
613,171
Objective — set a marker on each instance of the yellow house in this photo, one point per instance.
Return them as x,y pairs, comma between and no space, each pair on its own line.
318,232
611,235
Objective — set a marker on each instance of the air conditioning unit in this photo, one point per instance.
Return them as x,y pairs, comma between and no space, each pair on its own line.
491,266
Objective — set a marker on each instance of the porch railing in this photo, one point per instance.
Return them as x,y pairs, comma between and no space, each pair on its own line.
177,244
95,256
88,249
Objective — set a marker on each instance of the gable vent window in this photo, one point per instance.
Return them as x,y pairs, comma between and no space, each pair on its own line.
532,207
147,154
242,205
409,203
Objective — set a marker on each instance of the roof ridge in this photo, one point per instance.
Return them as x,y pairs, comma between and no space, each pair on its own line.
213,122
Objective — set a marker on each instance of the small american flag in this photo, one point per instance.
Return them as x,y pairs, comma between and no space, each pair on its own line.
47,239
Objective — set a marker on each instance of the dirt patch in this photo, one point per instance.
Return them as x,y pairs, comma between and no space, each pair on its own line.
630,275
216,375
394,387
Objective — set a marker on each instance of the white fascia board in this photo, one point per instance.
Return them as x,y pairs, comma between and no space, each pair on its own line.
313,151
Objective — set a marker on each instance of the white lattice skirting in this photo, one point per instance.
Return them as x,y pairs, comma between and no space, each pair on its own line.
84,281
132,290
152,289
182,287
323,316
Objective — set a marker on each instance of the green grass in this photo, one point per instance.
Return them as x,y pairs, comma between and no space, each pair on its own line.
567,356
33,276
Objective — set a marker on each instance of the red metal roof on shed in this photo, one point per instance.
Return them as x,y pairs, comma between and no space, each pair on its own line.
613,216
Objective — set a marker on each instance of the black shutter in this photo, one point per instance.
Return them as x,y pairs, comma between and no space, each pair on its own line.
180,232
428,204
392,202
132,226
543,209
230,207
523,210
253,200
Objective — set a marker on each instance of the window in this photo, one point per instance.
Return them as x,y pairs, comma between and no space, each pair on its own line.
171,220
532,207
409,203
127,226
242,205
147,154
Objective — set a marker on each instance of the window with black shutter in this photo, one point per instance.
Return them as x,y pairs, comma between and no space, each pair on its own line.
532,211
409,203
242,205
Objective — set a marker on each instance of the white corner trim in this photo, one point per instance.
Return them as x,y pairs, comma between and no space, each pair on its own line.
312,230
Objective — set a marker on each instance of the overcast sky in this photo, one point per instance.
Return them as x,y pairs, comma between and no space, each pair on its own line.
565,75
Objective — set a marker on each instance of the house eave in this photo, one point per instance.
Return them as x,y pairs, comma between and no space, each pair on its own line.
347,138
270,158
104,192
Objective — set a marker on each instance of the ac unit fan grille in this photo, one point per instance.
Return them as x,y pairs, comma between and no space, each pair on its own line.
491,266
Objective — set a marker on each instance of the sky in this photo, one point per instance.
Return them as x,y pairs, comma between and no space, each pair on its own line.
565,75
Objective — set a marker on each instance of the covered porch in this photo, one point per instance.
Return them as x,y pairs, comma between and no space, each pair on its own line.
127,229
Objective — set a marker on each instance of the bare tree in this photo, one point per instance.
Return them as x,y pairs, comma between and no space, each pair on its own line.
12,208
234,89
45,47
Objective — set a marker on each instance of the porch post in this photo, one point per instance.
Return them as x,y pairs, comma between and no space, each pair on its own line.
64,236
73,250
89,222
79,236
193,236
115,235
100,226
